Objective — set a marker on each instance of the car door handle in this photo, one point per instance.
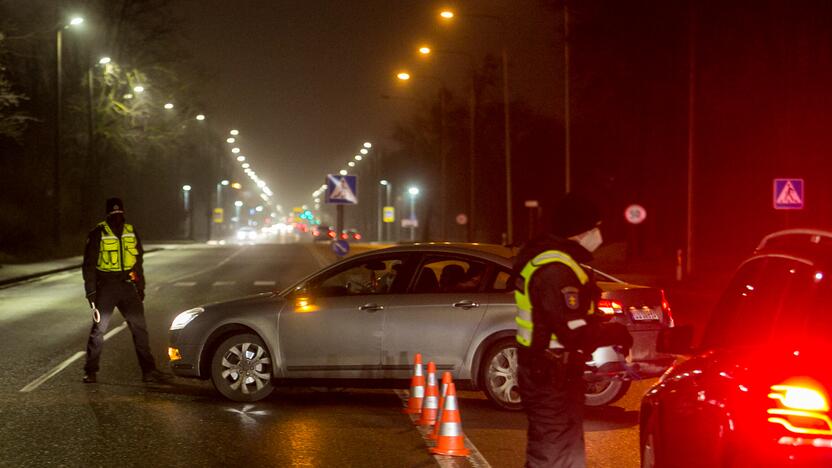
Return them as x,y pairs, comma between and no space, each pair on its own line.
466,305
371,307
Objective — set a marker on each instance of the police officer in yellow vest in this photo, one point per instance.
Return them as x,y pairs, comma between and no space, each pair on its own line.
113,277
557,332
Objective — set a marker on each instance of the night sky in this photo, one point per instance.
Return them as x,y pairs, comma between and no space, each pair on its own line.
303,80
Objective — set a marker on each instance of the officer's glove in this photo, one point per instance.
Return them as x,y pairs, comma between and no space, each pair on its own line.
91,298
141,294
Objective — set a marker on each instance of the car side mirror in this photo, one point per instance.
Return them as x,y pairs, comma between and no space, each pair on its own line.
675,340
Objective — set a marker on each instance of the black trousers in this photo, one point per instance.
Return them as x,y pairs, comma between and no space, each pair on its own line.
553,399
123,295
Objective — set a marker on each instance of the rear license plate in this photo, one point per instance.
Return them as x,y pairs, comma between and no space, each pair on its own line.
645,313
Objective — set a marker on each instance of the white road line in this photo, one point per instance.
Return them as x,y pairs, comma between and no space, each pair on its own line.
211,268
57,369
264,283
224,283
475,459
185,284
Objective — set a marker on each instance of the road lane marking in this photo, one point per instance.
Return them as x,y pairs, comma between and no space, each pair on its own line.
185,284
475,459
224,283
57,369
264,283
211,268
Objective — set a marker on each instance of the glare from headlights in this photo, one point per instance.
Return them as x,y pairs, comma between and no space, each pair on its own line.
185,318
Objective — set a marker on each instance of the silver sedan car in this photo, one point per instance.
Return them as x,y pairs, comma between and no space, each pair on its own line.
360,322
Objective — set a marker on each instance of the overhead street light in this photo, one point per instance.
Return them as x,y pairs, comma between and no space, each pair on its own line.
200,117
224,182
234,132
169,106
246,165
351,164
241,158
404,76
129,96
364,151
358,157
138,89
367,144
343,172
235,150
230,140
446,14
76,21
104,60
424,50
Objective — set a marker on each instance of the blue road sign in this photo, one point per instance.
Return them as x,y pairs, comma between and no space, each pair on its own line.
341,189
788,194
340,247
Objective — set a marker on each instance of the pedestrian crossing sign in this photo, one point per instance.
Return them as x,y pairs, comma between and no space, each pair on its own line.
788,194
341,189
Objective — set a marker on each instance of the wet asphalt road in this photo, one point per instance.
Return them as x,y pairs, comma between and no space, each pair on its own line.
123,422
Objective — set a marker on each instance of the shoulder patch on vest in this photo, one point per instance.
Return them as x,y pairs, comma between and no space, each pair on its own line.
570,297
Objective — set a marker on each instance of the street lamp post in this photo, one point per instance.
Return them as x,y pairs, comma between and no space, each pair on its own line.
388,186
186,197
448,15
472,111
413,191
56,182
237,205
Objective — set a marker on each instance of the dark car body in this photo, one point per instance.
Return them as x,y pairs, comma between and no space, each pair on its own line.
756,391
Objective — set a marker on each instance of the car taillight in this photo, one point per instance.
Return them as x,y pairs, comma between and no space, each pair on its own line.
331,234
609,307
357,236
802,409
666,310
344,235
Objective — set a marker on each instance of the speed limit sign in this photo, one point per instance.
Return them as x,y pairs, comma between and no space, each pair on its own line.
635,214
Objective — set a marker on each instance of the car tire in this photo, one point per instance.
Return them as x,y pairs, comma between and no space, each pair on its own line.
498,373
241,368
605,392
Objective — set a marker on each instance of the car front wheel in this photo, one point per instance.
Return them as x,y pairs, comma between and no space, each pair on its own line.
605,392
499,375
241,368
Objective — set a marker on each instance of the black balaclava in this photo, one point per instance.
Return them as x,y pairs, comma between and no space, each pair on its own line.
115,215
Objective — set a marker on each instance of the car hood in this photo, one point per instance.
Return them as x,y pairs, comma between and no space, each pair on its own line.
243,302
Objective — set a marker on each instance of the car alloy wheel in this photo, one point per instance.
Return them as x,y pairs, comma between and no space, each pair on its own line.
501,376
242,368
605,392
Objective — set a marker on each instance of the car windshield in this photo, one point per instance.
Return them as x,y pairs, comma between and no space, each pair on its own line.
773,300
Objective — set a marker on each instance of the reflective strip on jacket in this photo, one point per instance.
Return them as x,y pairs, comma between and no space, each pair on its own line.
525,324
114,253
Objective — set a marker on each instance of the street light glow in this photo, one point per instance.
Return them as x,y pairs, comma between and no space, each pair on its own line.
230,140
186,188
343,172
224,182
413,191
351,164
404,76
367,144
237,185
364,151
447,14
424,50
383,182
241,158
238,203
128,96
358,157
246,165
138,89
235,150
169,106
76,21
104,60
200,117
234,132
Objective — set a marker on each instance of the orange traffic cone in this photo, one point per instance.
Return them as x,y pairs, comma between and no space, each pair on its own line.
451,440
446,379
417,388
430,405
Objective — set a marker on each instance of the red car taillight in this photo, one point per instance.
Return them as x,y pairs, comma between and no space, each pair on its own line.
666,310
356,236
801,409
608,307
331,234
344,236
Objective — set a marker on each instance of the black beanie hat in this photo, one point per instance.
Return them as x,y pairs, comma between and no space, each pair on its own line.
574,215
114,205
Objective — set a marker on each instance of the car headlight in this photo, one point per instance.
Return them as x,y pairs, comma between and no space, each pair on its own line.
185,318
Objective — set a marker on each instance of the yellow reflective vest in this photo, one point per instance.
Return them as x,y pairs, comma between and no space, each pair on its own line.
117,253
525,324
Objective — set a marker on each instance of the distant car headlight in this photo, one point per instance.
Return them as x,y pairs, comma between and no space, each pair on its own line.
185,318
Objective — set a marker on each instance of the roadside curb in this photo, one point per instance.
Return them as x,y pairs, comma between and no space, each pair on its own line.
40,274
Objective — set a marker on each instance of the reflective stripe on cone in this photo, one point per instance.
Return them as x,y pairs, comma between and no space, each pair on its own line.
447,378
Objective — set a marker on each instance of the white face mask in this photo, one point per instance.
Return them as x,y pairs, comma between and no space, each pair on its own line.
591,239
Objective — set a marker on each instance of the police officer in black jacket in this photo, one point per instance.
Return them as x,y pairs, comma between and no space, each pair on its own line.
557,331
113,277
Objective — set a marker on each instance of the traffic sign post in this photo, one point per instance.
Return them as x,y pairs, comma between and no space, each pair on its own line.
389,214
789,194
218,215
341,190
534,216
